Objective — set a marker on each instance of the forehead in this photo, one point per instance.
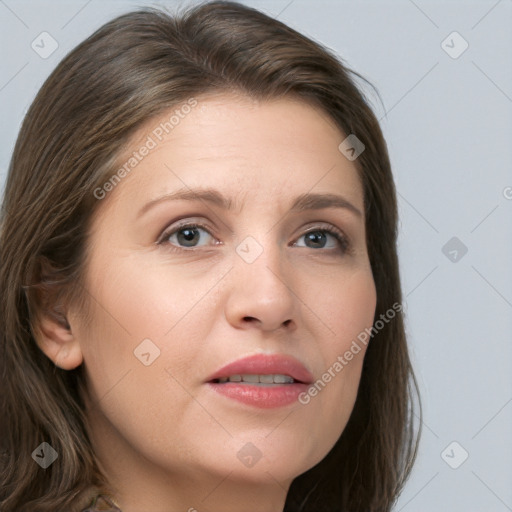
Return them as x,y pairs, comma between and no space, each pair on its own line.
267,149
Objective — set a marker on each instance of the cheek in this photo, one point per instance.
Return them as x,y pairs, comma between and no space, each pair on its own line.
348,305
133,302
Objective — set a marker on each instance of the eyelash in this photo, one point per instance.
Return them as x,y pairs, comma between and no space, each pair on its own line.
344,244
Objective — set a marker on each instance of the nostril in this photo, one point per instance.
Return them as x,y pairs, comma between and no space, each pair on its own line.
250,319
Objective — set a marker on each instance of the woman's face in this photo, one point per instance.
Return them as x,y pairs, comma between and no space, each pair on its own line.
215,247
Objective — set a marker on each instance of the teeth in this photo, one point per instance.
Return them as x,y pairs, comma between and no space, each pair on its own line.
258,379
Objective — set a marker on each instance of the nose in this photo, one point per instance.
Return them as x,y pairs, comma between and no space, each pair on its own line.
260,293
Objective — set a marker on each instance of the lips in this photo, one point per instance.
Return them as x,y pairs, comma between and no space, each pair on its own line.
261,364
264,381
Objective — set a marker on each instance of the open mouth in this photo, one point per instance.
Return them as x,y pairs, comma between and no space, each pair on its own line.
265,380
261,380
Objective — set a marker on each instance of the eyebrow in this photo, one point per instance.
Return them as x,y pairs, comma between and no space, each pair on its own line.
307,201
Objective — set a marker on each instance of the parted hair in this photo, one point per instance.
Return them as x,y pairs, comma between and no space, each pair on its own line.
131,70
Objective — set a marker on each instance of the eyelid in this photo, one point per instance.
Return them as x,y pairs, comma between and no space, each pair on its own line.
186,223
343,240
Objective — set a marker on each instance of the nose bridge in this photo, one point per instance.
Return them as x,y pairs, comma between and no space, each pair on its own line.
260,258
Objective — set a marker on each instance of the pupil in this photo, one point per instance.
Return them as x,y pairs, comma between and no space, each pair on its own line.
316,237
187,235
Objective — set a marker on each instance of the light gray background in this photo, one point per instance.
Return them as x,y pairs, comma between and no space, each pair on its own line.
448,123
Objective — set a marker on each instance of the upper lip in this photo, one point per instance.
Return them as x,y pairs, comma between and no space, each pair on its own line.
265,364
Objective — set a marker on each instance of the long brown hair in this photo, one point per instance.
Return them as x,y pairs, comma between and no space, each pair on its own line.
129,71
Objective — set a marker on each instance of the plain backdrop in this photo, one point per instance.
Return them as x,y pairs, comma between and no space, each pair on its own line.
443,71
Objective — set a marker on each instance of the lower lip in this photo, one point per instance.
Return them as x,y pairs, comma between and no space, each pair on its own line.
264,397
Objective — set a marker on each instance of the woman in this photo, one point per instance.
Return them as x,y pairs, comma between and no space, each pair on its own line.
201,296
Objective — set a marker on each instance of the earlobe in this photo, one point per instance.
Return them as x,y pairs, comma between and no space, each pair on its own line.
70,356
55,338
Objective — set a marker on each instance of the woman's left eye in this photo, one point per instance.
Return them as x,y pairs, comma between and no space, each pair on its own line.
324,238
188,236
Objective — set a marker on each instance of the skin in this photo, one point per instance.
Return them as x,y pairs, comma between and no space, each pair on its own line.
165,440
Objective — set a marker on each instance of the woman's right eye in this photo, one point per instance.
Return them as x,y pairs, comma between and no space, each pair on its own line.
187,236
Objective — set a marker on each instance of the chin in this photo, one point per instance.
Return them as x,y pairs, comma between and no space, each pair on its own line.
280,458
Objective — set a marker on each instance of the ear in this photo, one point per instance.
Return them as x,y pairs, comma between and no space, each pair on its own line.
55,338
49,323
